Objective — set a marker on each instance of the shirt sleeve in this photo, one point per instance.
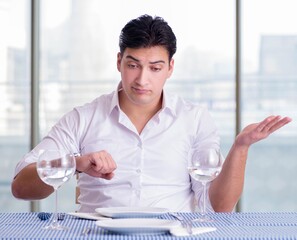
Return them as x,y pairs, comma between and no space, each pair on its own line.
63,135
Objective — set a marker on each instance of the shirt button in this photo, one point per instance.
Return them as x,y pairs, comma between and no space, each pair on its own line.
138,170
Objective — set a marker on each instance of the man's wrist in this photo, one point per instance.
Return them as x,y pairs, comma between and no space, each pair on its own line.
77,155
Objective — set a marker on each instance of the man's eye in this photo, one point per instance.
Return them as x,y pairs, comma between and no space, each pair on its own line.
132,65
156,69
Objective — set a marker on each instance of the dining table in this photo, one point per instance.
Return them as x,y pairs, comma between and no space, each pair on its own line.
231,226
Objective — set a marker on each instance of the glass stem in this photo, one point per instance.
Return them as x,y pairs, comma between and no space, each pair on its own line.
55,217
204,200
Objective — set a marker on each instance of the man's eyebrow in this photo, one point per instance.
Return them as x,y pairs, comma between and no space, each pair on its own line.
159,61
137,60
133,58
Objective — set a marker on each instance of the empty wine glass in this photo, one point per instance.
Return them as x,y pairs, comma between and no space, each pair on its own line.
204,166
55,167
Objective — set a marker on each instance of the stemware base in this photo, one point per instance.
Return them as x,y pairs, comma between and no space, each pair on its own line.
203,219
55,227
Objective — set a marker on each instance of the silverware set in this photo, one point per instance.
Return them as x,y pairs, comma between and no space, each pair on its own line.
185,224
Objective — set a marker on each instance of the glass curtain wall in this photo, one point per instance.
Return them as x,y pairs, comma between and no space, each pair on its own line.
14,95
269,87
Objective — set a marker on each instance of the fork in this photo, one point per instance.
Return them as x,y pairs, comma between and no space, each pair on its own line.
185,224
86,231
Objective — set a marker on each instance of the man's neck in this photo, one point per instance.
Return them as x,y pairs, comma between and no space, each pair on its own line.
139,114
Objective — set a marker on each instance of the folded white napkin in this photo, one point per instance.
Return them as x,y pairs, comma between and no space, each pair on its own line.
180,231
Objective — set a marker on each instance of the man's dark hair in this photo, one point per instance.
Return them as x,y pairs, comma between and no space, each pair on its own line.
146,31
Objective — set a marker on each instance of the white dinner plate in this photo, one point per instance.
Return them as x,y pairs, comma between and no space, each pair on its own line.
90,216
131,212
138,225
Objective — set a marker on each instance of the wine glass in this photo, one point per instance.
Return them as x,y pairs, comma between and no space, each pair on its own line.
204,166
55,167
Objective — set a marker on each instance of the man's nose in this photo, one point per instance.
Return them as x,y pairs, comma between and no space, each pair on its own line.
143,77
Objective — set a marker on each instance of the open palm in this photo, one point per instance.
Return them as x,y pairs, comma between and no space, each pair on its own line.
258,131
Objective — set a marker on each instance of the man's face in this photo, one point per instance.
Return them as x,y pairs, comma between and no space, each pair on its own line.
144,72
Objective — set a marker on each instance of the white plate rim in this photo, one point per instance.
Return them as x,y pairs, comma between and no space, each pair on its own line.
138,226
90,216
118,212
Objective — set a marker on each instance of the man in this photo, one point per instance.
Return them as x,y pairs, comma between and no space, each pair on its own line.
134,142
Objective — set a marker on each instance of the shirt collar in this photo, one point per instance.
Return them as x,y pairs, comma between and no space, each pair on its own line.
168,104
115,99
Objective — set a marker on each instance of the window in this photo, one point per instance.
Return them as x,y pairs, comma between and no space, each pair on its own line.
14,95
79,44
269,87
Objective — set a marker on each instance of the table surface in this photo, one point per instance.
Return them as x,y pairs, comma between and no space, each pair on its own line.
276,225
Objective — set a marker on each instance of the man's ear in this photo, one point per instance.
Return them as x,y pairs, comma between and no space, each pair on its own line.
171,67
119,59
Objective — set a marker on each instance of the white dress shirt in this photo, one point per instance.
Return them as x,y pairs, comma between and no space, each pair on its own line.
151,166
